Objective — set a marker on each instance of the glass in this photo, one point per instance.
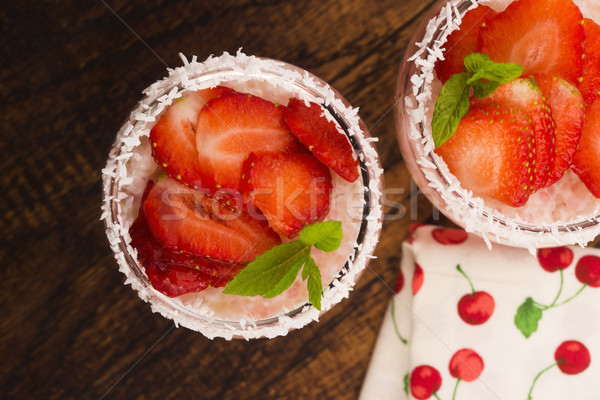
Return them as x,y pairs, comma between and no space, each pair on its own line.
416,91
262,77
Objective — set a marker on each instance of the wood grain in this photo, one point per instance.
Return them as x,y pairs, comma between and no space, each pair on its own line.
71,72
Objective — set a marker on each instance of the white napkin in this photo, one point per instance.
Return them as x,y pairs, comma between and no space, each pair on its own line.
434,331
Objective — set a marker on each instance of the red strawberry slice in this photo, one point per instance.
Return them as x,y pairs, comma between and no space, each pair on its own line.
231,127
463,42
544,36
185,220
590,83
173,137
491,153
291,190
322,138
567,108
586,163
524,94
174,273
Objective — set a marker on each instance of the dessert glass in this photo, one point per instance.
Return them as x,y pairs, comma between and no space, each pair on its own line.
565,213
130,166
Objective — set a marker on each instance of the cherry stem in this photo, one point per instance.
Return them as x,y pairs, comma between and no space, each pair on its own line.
455,388
562,281
537,377
436,396
554,304
459,269
572,297
395,323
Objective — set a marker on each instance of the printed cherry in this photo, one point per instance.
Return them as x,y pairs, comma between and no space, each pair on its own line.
418,279
412,230
399,282
466,365
425,381
554,258
587,271
476,307
572,357
449,236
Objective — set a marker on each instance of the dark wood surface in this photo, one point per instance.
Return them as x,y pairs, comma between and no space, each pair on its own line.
70,73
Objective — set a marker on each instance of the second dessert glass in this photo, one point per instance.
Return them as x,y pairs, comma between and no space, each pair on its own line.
565,213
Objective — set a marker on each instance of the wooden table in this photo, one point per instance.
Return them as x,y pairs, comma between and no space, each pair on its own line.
71,72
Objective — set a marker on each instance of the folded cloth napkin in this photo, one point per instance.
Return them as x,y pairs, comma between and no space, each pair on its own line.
471,323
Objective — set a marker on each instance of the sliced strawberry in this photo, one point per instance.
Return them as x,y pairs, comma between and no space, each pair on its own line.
176,280
185,220
463,42
524,94
586,163
169,281
590,83
174,273
173,137
544,36
491,153
231,127
291,190
567,108
322,138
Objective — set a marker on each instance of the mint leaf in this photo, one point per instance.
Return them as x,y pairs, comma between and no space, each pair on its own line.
527,317
287,279
314,284
263,275
451,105
497,72
325,236
453,102
475,61
482,89
274,271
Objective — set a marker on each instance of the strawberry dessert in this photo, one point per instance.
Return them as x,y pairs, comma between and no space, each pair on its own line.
500,120
242,198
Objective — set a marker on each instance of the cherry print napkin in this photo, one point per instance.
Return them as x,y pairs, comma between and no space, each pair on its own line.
471,323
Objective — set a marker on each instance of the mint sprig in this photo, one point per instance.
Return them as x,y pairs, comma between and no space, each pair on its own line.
274,271
484,76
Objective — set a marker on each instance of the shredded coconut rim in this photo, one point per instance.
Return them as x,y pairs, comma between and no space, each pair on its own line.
193,76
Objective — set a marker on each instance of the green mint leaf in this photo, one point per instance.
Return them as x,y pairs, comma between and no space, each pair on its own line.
482,89
274,271
263,274
527,317
497,72
305,272
325,236
475,61
287,279
314,284
451,105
